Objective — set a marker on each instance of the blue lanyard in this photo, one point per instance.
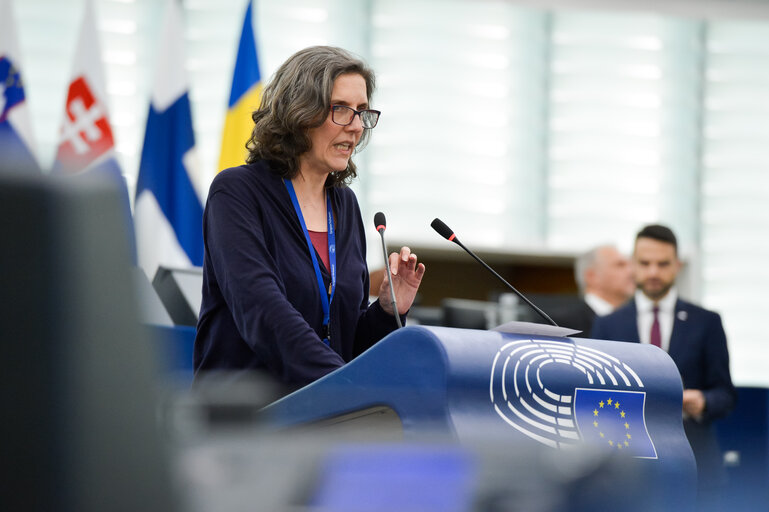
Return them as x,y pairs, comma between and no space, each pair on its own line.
325,299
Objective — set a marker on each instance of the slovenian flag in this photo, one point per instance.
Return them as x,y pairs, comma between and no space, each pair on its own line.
16,141
86,142
245,96
168,211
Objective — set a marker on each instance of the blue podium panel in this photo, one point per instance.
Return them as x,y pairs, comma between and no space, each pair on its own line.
622,398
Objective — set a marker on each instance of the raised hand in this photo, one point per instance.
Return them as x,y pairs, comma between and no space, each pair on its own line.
406,278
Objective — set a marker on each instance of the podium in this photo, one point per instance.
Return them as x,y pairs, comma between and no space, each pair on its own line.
524,388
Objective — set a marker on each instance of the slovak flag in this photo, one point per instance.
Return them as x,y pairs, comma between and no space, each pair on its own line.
168,211
86,141
16,141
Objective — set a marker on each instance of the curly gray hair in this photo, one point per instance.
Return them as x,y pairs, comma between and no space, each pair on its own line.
298,98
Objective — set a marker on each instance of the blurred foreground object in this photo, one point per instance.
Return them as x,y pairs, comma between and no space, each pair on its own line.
78,377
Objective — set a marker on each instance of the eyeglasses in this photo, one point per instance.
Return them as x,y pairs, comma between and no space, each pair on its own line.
343,116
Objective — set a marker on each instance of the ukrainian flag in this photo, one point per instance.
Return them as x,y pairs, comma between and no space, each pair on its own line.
245,96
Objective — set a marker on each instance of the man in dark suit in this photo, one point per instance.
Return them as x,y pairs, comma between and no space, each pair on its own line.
605,282
692,336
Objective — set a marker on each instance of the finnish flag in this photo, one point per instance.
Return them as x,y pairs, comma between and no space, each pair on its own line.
168,211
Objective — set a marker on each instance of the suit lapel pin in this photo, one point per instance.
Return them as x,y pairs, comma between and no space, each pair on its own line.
682,315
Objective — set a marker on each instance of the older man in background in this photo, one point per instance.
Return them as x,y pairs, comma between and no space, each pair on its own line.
605,282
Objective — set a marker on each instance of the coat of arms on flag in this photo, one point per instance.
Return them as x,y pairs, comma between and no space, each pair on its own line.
85,132
11,91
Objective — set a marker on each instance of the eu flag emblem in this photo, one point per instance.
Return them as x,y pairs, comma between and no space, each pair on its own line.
614,419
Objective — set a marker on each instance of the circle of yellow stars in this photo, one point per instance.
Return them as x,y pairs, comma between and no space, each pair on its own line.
612,406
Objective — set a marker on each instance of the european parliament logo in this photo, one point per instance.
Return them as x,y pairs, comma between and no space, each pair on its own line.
561,394
614,419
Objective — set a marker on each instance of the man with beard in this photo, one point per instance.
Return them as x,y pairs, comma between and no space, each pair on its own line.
692,336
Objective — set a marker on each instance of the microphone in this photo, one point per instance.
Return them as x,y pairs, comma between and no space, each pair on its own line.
446,232
381,225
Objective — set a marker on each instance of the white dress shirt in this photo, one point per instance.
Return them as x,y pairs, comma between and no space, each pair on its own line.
666,315
597,304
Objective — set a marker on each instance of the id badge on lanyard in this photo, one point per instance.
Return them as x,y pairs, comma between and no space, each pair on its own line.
325,296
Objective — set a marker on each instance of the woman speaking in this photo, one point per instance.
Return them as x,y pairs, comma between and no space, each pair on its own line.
285,281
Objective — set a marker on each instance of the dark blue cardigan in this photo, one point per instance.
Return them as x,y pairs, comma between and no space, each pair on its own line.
261,306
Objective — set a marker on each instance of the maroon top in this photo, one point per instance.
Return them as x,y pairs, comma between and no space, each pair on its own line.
319,240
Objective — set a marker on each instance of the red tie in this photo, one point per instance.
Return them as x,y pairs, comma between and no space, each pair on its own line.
656,337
